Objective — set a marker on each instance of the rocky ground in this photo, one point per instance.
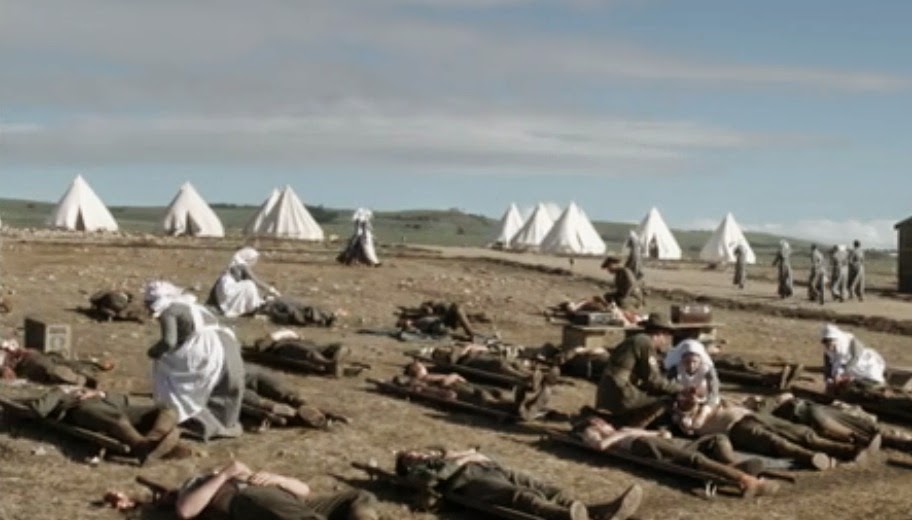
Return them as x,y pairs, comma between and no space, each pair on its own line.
43,476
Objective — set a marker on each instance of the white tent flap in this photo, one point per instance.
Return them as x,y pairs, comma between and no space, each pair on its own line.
188,214
533,231
80,209
509,225
656,239
721,245
285,217
573,234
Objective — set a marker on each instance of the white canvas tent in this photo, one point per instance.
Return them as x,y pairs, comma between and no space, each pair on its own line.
653,230
573,234
80,209
533,231
554,210
285,217
256,222
509,225
188,214
721,245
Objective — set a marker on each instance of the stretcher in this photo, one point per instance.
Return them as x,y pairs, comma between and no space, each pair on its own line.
446,404
882,410
710,482
265,358
299,365
107,444
264,417
505,513
470,373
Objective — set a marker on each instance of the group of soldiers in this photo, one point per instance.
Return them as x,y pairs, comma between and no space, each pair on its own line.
634,394
842,273
845,277
637,393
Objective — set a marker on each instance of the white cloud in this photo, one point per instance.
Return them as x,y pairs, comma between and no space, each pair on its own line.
701,224
276,56
878,233
355,134
342,82
875,233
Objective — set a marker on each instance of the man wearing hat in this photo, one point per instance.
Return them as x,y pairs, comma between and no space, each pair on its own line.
627,292
632,386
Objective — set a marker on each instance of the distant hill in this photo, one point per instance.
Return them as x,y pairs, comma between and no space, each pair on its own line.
431,227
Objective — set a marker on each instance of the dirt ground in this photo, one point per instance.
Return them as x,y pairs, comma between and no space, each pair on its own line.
43,476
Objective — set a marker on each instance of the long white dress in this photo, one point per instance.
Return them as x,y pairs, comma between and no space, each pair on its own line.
236,297
869,365
202,378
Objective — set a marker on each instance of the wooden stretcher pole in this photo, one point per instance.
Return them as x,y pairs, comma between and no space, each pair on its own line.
261,414
445,403
99,439
282,363
475,373
665,467
461,500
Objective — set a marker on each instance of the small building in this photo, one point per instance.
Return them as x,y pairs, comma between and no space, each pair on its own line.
904,254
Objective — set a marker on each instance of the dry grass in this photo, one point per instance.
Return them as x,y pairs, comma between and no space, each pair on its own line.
50,279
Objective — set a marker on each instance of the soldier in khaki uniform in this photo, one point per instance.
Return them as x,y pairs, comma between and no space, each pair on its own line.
817,280
838,421
478,477
857,271
150,430
116,305
437,318
627,291
286,344
635,255
783,265
289,311
740,276
50,369
264,391
234,492
633,386
839,264
765,434
498,360
526,402
713,454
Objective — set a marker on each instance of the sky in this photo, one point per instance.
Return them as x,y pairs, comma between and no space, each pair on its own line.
793,115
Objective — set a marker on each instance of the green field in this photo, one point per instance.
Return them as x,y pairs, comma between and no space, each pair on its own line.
428,227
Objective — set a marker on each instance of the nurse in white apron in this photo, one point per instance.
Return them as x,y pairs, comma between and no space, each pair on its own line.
198,370
847,358
237,291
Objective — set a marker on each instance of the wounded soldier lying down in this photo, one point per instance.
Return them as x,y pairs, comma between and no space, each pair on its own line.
235,492
148,429
286,344
526,402
712,454
266,392
49,369
479,478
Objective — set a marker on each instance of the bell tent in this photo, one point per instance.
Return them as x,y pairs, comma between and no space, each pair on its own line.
188,214
80,209
656,239
533,231
285,217
509,225
573,234
721,245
